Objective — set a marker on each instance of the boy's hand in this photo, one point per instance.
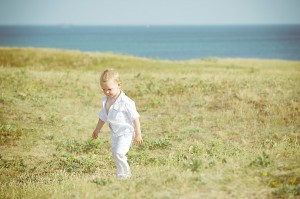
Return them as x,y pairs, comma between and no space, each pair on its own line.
138,139
98,128
95,134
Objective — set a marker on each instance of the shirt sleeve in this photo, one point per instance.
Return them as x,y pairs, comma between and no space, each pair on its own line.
102,115
131,109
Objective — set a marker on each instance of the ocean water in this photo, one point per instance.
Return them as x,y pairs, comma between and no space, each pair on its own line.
164,42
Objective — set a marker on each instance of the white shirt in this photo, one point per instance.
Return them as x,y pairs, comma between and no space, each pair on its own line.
120,116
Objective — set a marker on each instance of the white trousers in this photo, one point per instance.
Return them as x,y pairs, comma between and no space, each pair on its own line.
120,147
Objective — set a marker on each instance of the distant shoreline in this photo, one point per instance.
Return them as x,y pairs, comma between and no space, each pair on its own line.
141,25
133,56
176,43
48,52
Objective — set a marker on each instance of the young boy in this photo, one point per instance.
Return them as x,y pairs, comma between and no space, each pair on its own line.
120,113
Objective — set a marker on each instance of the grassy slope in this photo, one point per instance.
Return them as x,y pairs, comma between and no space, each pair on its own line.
213,128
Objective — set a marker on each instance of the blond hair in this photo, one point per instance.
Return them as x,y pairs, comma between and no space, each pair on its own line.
108,75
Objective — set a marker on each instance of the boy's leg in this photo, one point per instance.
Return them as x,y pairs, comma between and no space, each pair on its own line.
121,146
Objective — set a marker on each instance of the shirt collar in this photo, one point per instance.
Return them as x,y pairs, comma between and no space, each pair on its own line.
122,94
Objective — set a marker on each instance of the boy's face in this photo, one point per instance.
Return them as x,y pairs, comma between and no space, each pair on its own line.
111,88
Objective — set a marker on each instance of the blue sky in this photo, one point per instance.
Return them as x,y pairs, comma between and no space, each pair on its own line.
148,12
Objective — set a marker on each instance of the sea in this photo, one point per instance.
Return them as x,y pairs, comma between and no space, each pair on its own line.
163,42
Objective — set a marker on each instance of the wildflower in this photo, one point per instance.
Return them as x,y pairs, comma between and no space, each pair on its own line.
264,173
273,184
292,181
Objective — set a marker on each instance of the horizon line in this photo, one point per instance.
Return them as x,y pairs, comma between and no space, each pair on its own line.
149,25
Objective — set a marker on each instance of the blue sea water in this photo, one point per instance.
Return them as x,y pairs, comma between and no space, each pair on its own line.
164,42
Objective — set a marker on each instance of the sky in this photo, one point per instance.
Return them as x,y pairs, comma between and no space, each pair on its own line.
149,12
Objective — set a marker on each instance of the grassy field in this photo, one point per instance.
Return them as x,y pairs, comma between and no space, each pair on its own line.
212,128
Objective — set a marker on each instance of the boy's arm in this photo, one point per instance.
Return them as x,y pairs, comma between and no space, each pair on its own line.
98,128
137,129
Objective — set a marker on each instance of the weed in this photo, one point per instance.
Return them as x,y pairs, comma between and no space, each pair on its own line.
102,181
261,161
27,178
157,161
75,146
191,129
196,150
9,133
285,187
137,158
162,143
48,137
71,163
14,164
194,165
287,190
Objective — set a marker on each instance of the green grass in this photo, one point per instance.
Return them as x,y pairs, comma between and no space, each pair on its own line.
212,128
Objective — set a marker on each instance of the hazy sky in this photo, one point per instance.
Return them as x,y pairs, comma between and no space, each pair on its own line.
148,12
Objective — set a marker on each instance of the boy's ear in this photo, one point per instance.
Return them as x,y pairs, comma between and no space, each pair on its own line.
120,84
